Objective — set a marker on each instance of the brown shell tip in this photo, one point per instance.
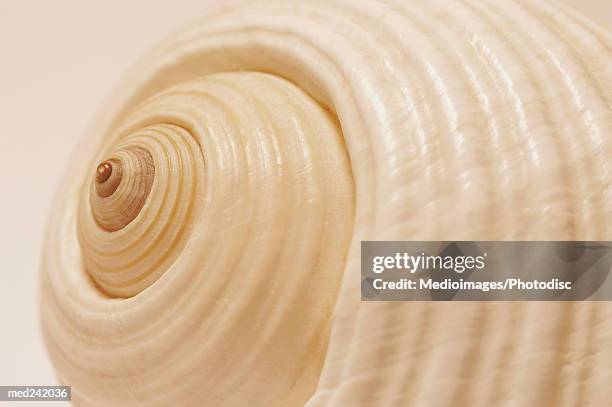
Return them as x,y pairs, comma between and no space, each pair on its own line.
104,171
108,177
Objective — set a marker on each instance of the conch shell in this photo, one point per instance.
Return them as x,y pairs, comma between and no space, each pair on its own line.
204,246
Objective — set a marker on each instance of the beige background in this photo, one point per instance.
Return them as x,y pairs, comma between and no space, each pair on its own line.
58,61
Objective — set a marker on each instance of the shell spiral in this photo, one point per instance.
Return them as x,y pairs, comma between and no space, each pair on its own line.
204,247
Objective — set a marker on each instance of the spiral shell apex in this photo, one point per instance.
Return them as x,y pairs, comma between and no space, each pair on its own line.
231,163
206,248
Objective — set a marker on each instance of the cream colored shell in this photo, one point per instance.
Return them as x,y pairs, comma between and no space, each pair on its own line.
283,133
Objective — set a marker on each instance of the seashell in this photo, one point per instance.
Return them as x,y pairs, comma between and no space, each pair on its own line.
204,247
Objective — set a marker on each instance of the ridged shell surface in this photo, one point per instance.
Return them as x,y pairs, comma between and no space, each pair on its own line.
212,259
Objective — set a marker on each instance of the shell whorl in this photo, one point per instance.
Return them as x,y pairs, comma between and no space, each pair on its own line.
213,201
125,263
206,248
108,177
